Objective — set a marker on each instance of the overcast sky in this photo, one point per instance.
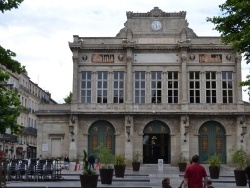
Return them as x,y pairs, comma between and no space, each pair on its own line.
39,32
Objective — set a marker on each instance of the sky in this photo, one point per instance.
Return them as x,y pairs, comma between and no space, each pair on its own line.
39,32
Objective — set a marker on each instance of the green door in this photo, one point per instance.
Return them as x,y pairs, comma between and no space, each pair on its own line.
212,140
156,143
101,132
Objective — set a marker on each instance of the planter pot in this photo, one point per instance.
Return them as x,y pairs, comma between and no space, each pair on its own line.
119,171
136,166
182,167
214,172
89,181
240,177
106,175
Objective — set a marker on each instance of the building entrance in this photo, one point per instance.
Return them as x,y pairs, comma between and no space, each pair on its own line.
212,140
156,143
101,133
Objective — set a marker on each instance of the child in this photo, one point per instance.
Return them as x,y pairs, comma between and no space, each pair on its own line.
209,184
166,183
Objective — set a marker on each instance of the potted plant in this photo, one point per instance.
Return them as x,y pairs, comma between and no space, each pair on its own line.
239,159
119,166
182,163
136,161
214,162
88,178
106,159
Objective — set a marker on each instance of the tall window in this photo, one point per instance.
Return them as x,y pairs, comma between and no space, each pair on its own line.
140,87
227,87
156,87
102,87
210,87
118,87
86,87
172,87
194,87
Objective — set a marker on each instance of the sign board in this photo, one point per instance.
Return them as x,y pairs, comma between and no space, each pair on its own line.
160,164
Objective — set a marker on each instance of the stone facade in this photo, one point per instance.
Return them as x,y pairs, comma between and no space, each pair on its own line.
156,88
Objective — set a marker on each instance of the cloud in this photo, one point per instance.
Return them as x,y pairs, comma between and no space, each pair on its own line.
39,31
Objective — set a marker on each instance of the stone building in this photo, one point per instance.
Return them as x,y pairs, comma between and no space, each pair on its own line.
156,88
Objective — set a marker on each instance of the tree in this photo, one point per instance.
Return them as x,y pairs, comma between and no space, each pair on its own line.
68,99
235,28
10,106
9,4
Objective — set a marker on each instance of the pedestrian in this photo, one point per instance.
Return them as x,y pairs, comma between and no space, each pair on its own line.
166,183
209,184
194,174
182,182
91,161
66,163
247,173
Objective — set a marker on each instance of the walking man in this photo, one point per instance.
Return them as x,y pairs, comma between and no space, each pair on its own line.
195,174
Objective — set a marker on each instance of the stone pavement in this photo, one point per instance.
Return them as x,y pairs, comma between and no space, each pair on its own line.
148,177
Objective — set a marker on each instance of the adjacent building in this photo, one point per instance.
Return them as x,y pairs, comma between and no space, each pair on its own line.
31,95
155,88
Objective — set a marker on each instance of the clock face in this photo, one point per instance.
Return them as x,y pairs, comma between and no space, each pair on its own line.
156,25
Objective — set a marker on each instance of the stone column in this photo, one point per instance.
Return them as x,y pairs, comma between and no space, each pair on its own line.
76,79
129,77
73,137
185,139
129,127
238,96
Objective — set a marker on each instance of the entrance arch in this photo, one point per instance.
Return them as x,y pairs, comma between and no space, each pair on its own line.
212,140
156,143
101,133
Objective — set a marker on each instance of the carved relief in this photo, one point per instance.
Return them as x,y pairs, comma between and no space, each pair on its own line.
120,57
103,58
84,57
228,57
192,57
210,58
183,58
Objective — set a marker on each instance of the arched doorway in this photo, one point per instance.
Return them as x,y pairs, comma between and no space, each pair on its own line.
101,132
212,140
156,143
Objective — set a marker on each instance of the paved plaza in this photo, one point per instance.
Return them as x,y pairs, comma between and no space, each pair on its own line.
148,177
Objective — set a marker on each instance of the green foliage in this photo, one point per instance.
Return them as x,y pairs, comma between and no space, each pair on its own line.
106,158
234,25
120,160
234,28
86,169
9,4
10,106
68,99
214,160
182,158
239,158
137,157
10,109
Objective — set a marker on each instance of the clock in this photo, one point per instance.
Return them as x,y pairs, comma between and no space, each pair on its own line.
156,25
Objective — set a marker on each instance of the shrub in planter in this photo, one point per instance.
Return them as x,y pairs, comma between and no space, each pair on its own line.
88,178
239,159
182,163
106,159
214,162
136,163
120,166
